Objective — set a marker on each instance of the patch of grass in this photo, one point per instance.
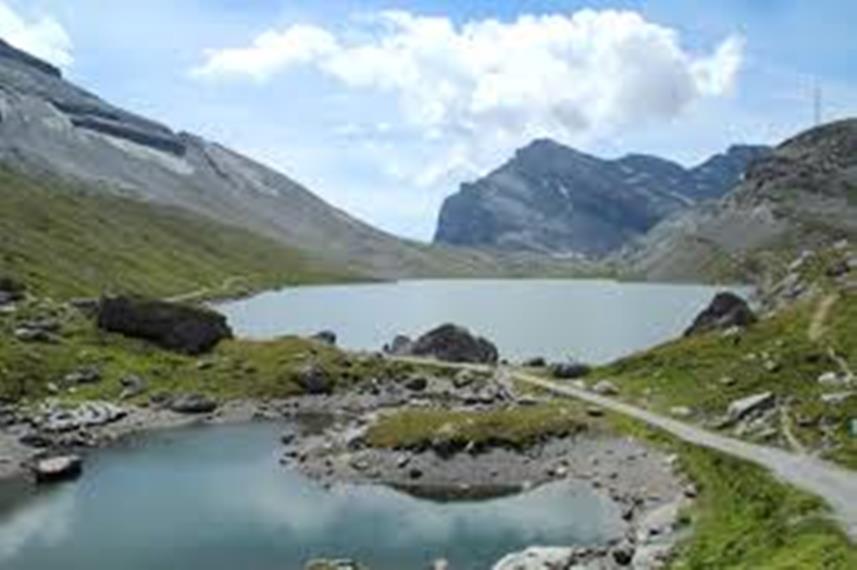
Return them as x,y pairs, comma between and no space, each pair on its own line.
512,427
744,518
235,369
67,241
692,372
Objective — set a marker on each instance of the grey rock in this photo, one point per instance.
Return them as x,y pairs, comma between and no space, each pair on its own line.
192,404
725,310
132,386
314,380
417,384
453,343
172,326
836,398
605,388
740,409
569,370
326,337
84,375
59,468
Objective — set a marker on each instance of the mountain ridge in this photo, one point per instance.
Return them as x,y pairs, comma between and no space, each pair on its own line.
50,126
553,199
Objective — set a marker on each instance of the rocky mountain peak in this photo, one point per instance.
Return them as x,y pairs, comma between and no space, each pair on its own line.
554,199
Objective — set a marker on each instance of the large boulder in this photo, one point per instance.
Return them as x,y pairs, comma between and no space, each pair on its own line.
452,343
726,310
181,328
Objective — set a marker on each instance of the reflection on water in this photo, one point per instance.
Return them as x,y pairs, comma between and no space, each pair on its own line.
216,498
591,320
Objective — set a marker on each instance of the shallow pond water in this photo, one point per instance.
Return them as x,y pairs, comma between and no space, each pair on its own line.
592,320
215,498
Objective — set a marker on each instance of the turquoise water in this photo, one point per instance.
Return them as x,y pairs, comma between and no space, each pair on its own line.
215,498
592,320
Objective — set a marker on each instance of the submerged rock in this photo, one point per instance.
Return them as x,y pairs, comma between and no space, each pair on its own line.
172,326
452,343
725,310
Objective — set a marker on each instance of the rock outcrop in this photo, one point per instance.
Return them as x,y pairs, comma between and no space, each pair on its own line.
452,343
172,326
725,310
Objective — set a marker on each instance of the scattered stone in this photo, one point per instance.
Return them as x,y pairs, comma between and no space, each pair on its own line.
400,345
569,370
605,388
341,564
838,269
833,379
11,290
537,558
727,381
417,384
836,398
594,411
623,553
132,386
535,362
314,380
26,334
192,404
463,379
739,409
59,468
771,366
326,337
452,343
173,326
725,310
87,414
84,375
681,411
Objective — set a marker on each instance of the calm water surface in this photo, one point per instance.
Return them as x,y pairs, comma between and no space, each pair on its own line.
592,320
215,498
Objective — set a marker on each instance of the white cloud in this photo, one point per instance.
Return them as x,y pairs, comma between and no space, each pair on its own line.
486,87
270,52
42,37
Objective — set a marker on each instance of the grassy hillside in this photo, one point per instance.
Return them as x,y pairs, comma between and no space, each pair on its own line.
786,353
77,243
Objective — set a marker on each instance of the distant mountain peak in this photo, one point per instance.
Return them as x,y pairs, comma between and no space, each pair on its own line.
550,198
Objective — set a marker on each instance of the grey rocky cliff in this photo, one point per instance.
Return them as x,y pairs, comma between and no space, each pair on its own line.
553,199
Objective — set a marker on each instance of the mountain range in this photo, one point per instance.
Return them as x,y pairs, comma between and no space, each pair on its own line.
553,199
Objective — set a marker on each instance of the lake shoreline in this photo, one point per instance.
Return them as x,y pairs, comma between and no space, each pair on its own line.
614,467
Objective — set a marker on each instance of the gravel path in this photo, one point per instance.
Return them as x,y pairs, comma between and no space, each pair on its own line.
834,484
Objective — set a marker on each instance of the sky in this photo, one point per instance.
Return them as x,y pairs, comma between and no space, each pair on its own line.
384,107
